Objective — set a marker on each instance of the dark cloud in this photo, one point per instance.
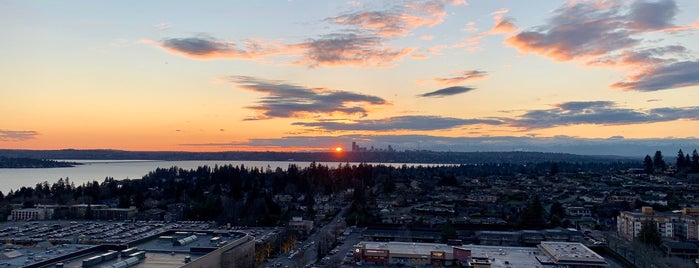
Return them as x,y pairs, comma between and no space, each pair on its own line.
413,122
612,34
615,145
652,15
464,76
17,135
582,105
674,75
207,47
600,113
287,100
577,31
449,91
350,49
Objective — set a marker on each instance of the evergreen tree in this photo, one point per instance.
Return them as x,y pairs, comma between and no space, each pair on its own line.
447,232
556,213
695,161
648,164
681,162
88,212
554,169
649,233
659,162
532,216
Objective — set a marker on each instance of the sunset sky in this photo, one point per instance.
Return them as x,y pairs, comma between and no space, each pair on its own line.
317,74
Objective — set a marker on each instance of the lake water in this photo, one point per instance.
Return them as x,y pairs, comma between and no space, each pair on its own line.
98,170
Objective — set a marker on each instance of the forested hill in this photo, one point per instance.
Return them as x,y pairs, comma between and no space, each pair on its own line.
368,157
24,162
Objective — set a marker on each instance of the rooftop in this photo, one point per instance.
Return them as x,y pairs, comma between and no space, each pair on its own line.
570,252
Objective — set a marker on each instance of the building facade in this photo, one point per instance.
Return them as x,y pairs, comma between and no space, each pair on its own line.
681,226
546,254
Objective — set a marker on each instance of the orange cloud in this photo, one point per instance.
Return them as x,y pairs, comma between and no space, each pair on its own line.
329,50
608,34
398,20
502,25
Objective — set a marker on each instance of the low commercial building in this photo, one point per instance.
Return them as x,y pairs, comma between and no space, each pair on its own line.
27,214
546,254
232,250
571,255
118,214
685,250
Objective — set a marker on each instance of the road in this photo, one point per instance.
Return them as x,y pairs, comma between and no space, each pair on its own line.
305,253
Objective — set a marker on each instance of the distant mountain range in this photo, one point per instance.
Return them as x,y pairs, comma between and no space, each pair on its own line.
369,156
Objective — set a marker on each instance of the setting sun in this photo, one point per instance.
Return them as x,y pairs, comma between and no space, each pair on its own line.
338,149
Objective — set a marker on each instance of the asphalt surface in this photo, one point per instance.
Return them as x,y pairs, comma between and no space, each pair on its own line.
305,254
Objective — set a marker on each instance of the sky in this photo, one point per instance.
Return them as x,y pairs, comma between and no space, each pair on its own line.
591,77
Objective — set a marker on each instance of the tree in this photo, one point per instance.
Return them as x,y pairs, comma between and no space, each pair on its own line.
556,213
532,216
447,232
695,161
648,164
88,212
681,162
658,162
554,169
649,233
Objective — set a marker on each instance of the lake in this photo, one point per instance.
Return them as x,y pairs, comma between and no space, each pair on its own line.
98,170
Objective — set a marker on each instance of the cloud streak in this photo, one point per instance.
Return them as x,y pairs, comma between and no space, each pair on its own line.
17,135
284,100
563,114
350,49
338,49
449,91
558,144
464,76
362,45
203,47
612,34
413,122
397,20
600,113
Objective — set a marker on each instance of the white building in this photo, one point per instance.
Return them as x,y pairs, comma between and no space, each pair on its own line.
26,214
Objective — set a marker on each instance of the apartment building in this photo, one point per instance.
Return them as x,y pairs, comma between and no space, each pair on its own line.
683,225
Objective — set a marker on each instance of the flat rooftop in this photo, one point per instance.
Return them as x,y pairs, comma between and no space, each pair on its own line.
408,247
162,251
18,256
570,252
501,256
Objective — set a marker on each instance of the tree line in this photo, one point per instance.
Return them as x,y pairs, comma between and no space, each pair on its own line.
243,195
684,163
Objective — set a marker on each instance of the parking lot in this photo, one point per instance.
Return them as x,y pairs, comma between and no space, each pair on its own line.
88,232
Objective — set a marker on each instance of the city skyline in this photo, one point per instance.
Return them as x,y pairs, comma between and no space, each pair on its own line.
316,75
